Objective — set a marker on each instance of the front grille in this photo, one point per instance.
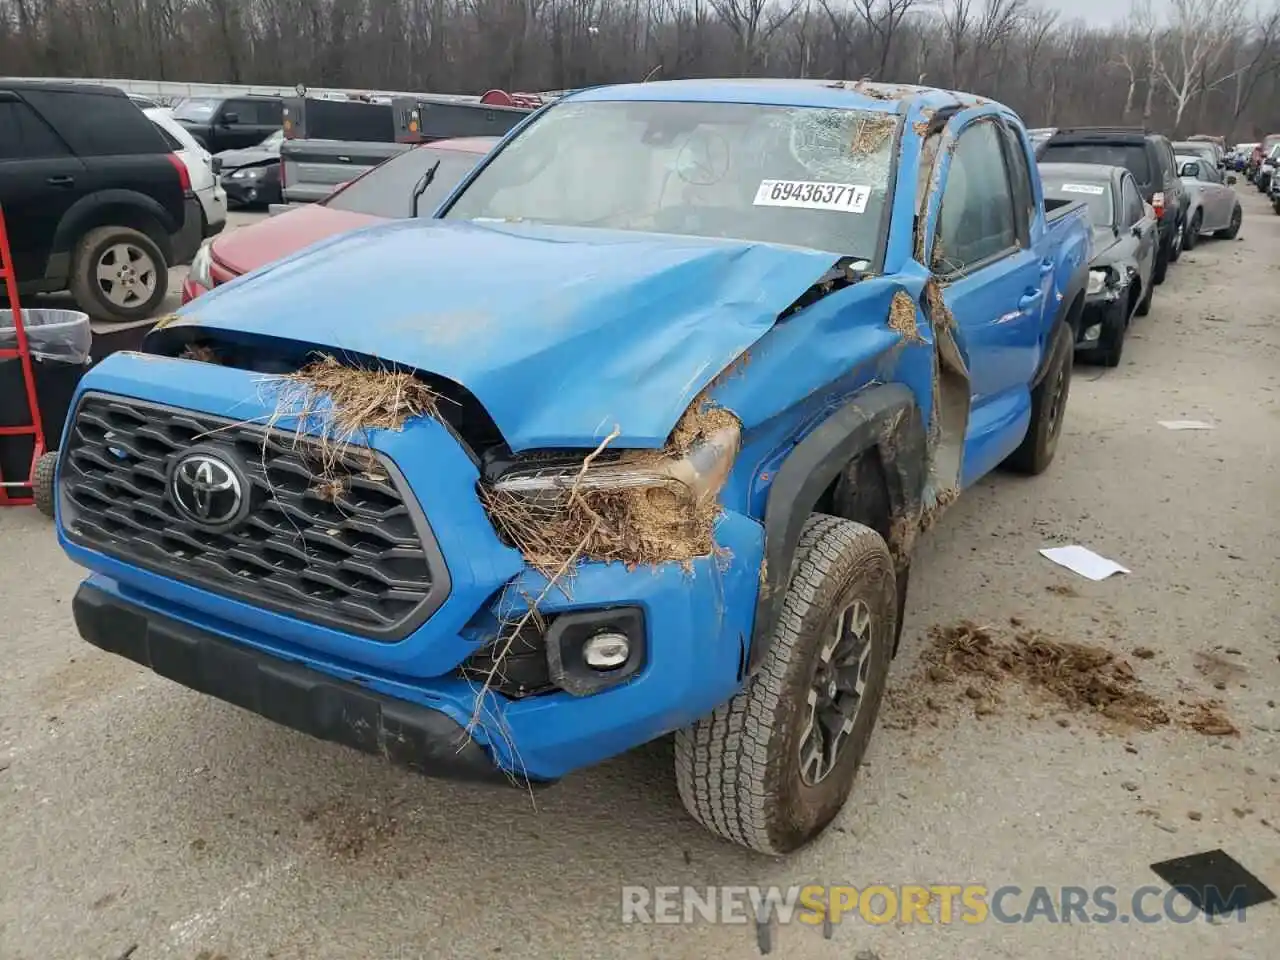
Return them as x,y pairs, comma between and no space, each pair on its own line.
360,559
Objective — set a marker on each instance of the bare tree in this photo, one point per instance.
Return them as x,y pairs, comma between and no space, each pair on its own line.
1197,38
753,23
883,17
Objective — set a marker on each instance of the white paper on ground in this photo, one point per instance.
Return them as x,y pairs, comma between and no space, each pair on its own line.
1185,424
1083,561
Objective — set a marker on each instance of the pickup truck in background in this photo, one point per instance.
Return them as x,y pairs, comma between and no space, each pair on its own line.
314,164
800,319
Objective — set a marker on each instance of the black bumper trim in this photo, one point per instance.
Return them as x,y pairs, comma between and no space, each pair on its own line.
423,740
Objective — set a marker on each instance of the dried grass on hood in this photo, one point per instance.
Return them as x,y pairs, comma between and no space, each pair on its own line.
348,401
635,526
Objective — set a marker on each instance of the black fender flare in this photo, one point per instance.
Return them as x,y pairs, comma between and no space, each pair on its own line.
885,417
72,226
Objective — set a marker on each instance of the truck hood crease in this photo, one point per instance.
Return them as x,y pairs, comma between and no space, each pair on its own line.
560,333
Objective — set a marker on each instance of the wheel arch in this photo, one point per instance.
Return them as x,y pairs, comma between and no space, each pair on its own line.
116,208
877,437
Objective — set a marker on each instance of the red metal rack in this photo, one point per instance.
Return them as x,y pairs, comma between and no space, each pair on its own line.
34,429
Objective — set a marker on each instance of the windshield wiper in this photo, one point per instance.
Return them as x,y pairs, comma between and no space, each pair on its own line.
421,187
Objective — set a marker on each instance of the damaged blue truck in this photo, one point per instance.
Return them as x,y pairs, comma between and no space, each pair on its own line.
699,361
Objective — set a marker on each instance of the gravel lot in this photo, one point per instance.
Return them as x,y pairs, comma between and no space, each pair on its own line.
133,812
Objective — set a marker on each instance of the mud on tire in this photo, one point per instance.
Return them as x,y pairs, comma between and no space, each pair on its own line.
741,771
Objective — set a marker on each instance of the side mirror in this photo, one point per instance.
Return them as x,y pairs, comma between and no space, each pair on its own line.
229,118
1190,170
1231,180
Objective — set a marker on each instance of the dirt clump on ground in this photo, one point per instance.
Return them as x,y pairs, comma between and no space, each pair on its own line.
902,317
1206,717
645,524
1081,677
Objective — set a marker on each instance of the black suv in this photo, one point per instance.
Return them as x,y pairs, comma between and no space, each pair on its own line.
94,200
226,123
1149,157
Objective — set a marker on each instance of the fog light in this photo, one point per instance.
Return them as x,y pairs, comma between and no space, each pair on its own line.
606,651
1092,333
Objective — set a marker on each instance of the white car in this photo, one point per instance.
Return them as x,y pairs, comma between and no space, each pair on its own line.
199,164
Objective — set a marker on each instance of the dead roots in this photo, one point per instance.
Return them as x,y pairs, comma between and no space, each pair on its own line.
649,524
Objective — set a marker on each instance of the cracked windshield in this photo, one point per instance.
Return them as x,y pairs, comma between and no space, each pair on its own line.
806,177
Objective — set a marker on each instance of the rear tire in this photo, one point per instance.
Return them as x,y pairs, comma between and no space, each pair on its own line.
1048,406
1176,242
748,772
1161,269
118,274
1191,236
1237,216
1144,305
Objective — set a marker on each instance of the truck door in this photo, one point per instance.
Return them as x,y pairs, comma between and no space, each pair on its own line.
995,283
39,181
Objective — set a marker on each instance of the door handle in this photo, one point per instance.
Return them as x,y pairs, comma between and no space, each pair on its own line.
61,181
1030,299
1045,267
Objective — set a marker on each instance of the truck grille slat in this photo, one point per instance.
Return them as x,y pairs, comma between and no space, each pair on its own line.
364,561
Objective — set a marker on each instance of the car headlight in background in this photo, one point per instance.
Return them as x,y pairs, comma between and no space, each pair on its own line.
201,270
1097,281
248,173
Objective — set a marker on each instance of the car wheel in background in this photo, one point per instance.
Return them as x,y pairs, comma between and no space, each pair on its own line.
118,274
1161,269
1175,245
1237,215
1144,305
773,766
1192,235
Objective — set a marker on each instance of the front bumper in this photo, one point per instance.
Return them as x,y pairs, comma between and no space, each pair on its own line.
251,190
292,695
1101,312
697,622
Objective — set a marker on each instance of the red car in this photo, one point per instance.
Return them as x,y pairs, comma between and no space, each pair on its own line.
382,193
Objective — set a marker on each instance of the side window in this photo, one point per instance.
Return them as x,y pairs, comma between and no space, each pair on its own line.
24,136
1209,173
977,220
1020,180
1133,209
170,140
97,124
245,111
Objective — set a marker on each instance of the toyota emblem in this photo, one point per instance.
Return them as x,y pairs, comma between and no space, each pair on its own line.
206,490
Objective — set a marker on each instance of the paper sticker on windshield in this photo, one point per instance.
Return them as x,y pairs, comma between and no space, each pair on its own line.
1092,189
846,197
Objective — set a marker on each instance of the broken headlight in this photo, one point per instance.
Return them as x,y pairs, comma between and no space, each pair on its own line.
693,470
1098,281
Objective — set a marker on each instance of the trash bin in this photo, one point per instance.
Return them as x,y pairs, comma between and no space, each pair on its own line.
59,341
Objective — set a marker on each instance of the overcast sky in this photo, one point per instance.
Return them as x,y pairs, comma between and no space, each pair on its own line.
1101,12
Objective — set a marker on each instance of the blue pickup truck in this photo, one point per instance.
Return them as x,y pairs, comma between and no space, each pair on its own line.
758,333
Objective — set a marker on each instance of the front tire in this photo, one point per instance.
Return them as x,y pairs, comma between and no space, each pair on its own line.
1237,216
772,767
1161,269
118,274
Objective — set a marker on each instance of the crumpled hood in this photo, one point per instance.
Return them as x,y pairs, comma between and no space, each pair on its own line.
561,333
244,157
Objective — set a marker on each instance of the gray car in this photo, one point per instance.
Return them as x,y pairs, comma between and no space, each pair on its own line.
1214,207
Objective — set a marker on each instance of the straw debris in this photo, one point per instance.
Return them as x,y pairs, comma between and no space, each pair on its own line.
902,317
347,402
643,525
871,135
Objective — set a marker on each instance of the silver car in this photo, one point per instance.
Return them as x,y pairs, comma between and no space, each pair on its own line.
1214,207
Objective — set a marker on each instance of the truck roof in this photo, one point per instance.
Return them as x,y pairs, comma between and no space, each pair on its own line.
865,95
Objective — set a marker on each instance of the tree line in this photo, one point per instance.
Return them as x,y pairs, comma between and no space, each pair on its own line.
1197,66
